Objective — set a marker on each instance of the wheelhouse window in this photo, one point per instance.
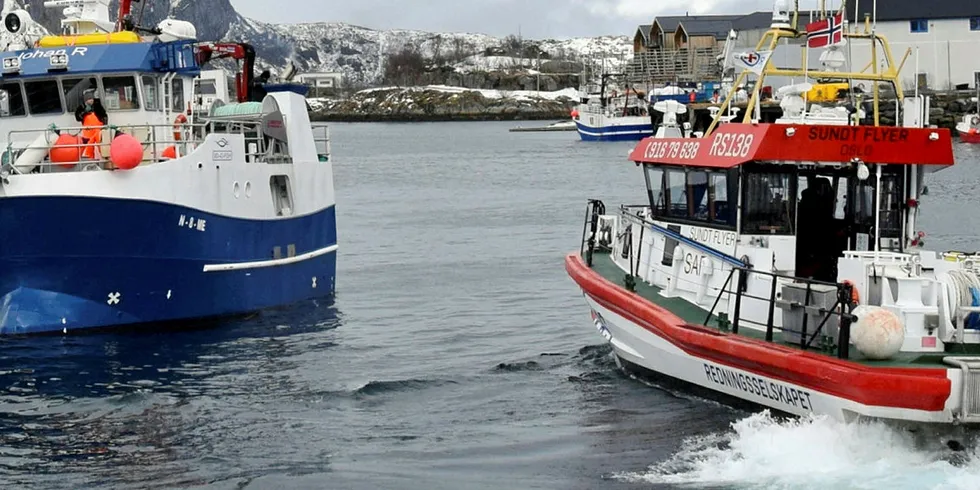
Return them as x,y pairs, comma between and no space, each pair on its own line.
697,189
720,211
768,204
120,94
207,87
692,196
12,100
677,193
655,190
74,90
151,93
177,90
43,97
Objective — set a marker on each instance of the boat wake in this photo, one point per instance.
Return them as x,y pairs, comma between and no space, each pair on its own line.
762,451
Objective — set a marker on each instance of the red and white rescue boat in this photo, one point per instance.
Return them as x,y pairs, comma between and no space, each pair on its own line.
781,263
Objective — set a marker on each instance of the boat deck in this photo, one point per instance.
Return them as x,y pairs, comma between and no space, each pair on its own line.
604,265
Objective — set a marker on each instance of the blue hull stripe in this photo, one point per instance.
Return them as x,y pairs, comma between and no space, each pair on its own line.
626,132
69,263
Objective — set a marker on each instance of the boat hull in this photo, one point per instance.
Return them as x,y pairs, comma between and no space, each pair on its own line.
69,263
619,129
967,136
791,381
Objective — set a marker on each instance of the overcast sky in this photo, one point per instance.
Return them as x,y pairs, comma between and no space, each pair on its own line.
536,18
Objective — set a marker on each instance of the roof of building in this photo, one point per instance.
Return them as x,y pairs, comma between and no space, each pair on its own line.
717,25
895,10
717,28
645,31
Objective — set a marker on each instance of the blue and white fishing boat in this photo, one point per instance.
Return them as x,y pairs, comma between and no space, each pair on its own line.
160,214
613,116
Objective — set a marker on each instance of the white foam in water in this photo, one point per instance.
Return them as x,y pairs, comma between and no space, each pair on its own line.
763,452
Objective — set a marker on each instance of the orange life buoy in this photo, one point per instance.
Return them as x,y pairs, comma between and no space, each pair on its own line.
855,295
179,122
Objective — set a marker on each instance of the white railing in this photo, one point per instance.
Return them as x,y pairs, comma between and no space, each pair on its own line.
321,137
29,150
36,153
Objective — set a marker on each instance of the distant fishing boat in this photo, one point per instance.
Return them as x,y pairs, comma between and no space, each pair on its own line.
122,206
613,116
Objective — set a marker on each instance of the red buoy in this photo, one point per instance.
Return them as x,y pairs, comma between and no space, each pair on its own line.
169,152
126,152
66,151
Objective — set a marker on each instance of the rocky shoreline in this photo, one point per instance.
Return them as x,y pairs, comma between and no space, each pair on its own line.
418,104
443,103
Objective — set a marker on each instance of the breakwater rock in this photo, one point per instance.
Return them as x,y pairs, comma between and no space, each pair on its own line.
442,103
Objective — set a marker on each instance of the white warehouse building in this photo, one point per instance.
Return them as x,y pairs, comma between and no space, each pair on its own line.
944,34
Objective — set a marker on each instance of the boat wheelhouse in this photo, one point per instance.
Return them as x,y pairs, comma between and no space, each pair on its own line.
782,263
162,213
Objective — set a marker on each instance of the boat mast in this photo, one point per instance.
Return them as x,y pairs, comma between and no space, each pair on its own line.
124,9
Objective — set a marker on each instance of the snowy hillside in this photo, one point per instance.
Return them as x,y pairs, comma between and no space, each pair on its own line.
358,52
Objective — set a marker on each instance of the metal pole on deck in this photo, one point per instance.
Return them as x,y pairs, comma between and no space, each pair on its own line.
878,212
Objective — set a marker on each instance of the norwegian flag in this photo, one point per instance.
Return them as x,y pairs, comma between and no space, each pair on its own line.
825,32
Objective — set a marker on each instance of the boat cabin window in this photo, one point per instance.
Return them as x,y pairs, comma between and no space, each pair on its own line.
206,87
695,196
12,100
768,204
74,89
677,193
120,93
151,93
177,90
43,97
655,190
720,209
891,205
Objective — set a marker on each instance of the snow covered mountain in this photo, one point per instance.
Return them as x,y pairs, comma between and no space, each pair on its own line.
359,52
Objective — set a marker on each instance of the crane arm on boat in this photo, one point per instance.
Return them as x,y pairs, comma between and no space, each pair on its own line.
238,51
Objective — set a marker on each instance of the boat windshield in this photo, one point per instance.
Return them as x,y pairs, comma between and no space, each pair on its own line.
120,93
75,88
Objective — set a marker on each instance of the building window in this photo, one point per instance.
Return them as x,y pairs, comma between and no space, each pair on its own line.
975,23
919,25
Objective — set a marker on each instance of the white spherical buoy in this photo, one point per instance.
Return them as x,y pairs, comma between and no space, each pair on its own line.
878,333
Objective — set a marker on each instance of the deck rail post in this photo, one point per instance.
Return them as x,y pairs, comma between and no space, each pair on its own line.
723,290
743,274
845,293
806,316
772,309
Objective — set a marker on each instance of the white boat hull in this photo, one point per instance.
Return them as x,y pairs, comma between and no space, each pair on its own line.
637,345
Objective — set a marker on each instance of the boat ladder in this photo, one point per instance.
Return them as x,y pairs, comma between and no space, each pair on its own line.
969,410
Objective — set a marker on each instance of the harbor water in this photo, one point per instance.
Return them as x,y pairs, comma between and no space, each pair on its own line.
457,354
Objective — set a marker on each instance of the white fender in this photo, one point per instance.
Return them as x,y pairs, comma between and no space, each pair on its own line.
35,152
